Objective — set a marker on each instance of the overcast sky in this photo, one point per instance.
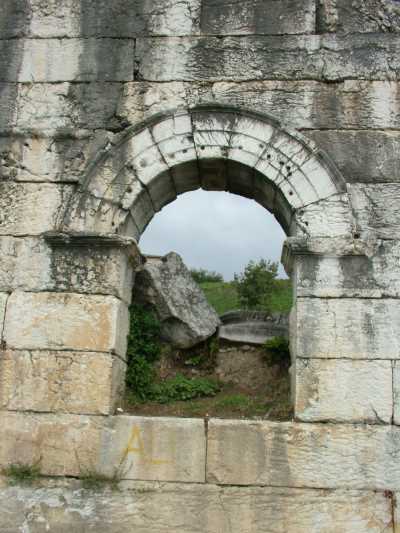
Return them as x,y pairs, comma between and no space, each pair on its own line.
214,230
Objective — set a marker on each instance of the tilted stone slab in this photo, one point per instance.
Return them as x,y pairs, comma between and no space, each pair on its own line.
105,60
341,390
30,208
66,321
161,508
368,276
347,328
65,382
129,447
290,454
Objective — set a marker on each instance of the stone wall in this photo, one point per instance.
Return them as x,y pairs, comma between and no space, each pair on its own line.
108,111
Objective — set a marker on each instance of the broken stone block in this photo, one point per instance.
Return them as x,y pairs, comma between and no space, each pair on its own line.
166,284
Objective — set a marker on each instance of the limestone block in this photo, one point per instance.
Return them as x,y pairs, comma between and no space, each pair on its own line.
356,154
329,57
303,455
164,449
347,328
30,208
63,444
105,60
376,208
312,104
360,16
69,382
92,269
329,217
372,276
66,321
162,508
341,390
68,105
259,16
160,449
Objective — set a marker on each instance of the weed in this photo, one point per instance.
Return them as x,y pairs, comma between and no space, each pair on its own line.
241,404
94,480
22,472
181,388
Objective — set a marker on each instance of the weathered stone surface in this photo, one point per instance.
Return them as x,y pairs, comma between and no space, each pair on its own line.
161,449
66,321
30,208
69,382
341,390
396,392
347,328
162,508
167,285
257,16
360,16
372,276
325,57
376,208
302,455
252,327
41,60
362,156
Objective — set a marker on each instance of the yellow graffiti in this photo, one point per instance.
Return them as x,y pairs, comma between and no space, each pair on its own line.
136,446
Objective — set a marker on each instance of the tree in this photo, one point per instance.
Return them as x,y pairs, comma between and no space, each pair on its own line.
201,275
256,284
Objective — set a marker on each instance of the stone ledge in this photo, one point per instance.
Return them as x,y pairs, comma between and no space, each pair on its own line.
191,508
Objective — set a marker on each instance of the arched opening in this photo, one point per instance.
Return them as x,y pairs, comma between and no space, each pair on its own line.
215,149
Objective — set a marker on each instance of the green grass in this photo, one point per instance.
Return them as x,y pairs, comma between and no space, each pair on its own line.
223,296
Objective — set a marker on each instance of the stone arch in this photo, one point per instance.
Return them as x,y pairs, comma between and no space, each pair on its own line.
216,148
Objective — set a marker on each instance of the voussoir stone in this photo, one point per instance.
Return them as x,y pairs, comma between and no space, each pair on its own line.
167,285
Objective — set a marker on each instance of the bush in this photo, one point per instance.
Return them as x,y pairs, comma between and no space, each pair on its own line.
256,284
201,275
277,351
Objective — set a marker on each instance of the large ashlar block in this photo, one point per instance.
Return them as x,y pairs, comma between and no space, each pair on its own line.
375,275
131,447
104,60
160,449
347,328
30,208
289,454
66,321
170,507
340,390
69,382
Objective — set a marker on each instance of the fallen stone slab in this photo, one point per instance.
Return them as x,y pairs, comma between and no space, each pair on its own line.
181,306
252,327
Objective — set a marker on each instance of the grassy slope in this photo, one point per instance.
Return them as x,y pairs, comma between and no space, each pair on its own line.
223,296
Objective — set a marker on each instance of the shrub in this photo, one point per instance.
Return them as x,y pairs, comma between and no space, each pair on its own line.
277,351
256,284
201,275
22,473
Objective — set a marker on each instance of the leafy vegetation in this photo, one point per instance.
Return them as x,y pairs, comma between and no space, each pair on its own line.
22,473
256,284
201,275
93,480
277,351
223,296
144,349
